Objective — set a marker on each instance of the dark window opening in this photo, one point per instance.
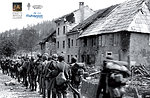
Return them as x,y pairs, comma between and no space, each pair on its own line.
58,31
68,58
68,42
63,44
85,42
72,42
83,58
93,42
64,29
58,44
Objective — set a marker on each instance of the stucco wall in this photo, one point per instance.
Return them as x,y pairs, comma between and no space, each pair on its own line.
140,48
73,50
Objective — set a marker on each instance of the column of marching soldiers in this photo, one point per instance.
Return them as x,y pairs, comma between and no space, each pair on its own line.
40,72
53,77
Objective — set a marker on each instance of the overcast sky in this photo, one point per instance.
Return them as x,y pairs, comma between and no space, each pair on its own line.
51,9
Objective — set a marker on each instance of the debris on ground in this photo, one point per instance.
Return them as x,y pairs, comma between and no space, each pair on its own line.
11,83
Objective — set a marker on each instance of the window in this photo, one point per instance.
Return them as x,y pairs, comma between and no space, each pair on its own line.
63,44
64,29
149,39
93,42
68,42
103,40
85,42
100,40
88,59
76,42
68,58
72,42
83,58
115,39
57,44
58,31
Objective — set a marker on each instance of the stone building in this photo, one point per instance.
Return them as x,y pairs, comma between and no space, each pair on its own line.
48,44
123,33
64,24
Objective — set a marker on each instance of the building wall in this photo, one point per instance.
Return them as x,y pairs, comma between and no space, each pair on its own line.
62,37
72,46
88,49
140,48
112,44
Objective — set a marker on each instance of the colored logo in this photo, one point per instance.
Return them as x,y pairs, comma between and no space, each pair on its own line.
17,10
17,6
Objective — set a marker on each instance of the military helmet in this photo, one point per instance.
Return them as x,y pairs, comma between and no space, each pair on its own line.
54,56
39,55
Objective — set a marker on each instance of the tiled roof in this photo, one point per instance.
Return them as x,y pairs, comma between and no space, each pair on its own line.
118,20
98,14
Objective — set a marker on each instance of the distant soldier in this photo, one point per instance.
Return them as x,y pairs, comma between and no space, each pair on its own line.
25,71
113,78
31,74
38,69
43,66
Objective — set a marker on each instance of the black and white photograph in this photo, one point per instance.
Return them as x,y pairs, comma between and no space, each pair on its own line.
75,49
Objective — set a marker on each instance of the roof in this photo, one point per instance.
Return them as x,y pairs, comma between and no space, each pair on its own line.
64,16
119,19
98,14
47,38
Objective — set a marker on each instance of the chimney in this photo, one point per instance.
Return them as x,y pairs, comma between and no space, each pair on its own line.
81,8
81,5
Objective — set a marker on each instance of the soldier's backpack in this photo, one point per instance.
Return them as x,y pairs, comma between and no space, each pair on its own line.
60,79
77,72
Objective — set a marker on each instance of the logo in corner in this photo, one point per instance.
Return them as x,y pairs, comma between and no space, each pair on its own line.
17,10
28,5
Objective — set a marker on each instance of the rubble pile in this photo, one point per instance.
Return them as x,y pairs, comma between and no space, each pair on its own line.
139,80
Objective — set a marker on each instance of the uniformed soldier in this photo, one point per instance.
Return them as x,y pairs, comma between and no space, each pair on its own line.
113,78
61,89
43,66
51,73
77,72
31,74
39,71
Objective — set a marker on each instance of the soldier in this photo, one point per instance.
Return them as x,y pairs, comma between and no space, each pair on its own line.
2,66
39,71
113,77
31,74
25,71
61,88
44,63
77,72
51,73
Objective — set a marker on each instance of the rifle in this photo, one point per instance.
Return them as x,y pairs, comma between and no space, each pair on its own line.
74,90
